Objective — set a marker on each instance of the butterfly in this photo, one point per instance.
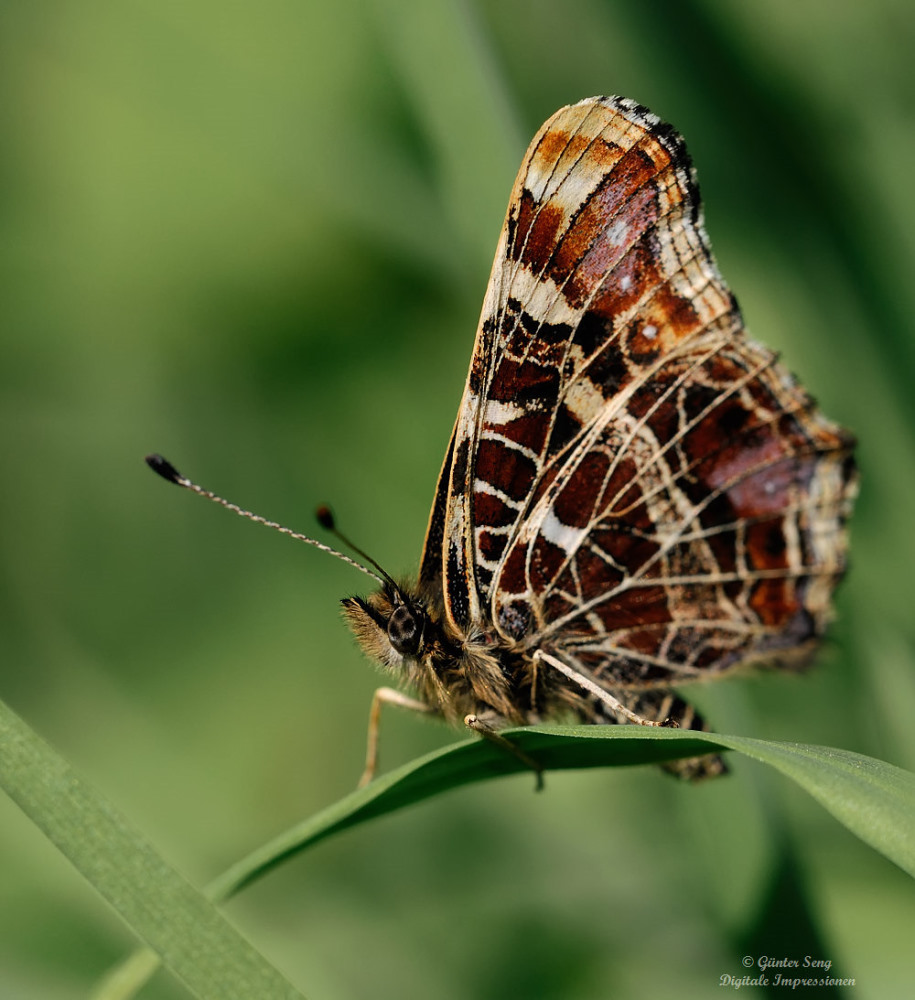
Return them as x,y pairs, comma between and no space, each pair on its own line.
636,494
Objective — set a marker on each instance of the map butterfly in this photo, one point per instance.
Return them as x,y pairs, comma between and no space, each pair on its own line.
636,494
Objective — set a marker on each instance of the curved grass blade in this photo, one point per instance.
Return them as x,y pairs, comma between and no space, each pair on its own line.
194,940
459,764
873,799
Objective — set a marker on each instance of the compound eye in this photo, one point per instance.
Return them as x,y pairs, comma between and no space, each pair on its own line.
405,629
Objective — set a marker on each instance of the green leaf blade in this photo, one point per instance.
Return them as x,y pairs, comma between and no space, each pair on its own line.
875,800
194,940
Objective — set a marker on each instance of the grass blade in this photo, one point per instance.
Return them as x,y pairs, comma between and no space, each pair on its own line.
875,800
193,939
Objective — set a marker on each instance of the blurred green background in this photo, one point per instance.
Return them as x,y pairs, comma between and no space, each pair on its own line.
255,237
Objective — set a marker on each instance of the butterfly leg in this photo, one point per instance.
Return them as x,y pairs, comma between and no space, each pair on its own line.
385,696
607,699
656,707
485,730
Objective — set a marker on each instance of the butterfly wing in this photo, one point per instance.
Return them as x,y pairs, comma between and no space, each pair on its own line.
560,171
632,481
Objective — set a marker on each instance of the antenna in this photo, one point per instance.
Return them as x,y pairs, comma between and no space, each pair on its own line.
166,470
326,519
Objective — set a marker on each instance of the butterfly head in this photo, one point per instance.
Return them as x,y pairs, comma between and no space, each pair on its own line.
389,625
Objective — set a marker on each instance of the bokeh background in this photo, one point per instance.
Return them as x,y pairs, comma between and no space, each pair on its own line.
255,237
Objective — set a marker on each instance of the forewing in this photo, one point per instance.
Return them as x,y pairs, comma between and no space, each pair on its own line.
588,191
